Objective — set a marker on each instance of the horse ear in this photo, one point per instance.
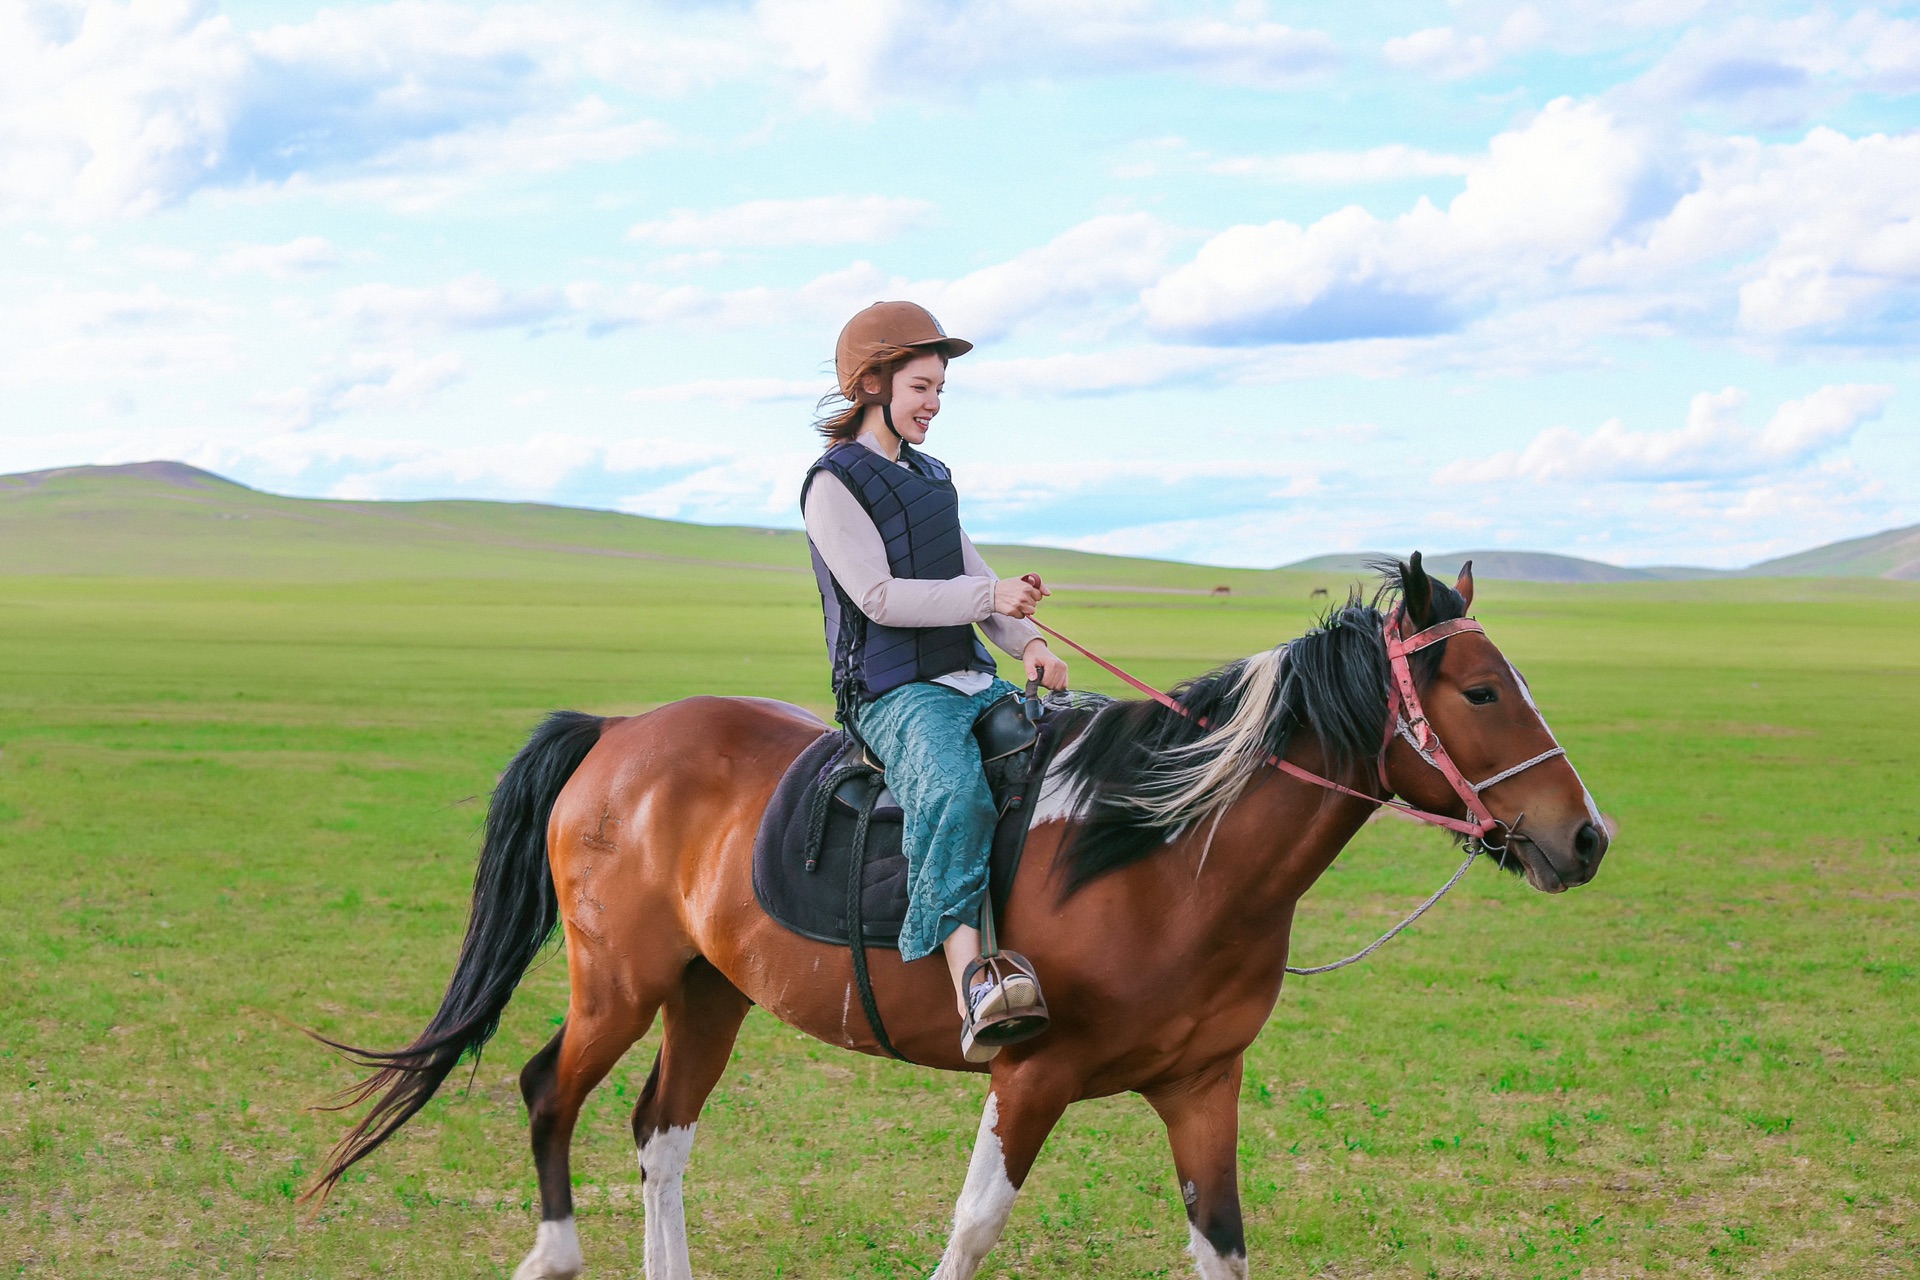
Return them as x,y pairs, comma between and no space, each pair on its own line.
1416,592
1464,583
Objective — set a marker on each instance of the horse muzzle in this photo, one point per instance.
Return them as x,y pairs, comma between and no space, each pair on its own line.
1556,862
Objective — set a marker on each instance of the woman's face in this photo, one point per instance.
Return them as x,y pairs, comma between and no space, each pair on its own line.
916,396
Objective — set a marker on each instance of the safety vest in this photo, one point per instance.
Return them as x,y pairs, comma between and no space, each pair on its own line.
917,511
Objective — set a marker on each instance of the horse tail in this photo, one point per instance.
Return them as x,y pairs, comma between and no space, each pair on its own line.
514,913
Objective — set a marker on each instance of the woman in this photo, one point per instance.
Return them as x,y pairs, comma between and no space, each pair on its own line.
903,587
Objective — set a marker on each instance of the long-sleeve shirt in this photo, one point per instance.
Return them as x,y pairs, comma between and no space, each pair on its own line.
854,553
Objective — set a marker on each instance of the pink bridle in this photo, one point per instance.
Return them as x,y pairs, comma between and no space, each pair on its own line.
1406,718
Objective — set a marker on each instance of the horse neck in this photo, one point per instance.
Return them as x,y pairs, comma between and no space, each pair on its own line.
1274,842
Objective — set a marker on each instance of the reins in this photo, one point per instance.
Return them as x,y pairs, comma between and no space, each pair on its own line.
1407,719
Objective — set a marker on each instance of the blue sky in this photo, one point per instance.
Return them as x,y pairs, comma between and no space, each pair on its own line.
1250,281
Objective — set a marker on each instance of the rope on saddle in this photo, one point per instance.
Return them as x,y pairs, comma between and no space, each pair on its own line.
821,806
856,911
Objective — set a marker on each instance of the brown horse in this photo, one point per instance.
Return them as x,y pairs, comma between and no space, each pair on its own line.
1156,834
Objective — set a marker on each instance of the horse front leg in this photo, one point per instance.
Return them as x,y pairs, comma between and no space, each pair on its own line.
1202,1114
1021,1110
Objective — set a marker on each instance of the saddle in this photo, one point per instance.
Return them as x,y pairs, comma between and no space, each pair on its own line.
827,860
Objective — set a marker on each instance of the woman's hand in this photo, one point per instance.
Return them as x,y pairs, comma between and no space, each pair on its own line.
1017,598
1043,666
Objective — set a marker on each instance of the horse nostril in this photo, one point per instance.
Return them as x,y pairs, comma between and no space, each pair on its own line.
1589,842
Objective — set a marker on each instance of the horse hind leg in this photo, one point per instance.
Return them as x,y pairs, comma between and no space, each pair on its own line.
702,1020
555,1084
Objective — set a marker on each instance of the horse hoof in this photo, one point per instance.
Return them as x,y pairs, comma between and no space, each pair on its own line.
556,1254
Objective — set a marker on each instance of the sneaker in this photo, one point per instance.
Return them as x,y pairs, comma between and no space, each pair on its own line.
978,999
1011,995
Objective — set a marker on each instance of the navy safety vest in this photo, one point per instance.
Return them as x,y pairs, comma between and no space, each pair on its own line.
917,511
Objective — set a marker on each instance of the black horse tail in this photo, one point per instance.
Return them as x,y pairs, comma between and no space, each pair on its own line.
514,913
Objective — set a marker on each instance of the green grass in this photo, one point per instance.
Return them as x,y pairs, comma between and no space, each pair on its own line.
230,808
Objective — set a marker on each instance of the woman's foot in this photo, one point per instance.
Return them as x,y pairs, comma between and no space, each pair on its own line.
1003,1007
990,999
972,1049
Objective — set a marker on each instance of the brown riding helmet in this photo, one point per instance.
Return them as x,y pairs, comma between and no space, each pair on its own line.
883,325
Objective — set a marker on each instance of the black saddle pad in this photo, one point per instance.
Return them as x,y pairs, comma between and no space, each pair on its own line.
814,903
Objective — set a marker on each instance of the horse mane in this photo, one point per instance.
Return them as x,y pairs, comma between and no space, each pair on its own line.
1141,774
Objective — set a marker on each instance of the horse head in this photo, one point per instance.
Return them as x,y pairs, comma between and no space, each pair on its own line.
1479,708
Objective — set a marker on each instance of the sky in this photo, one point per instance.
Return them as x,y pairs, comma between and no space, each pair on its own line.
1250,281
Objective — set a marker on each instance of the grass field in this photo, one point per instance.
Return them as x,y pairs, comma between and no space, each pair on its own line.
228,807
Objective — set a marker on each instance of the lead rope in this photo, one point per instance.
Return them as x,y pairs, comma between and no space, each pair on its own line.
1473,851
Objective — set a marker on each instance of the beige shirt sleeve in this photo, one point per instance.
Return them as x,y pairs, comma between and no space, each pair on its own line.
845,536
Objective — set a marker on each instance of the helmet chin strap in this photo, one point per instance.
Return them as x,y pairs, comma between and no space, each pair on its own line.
886,414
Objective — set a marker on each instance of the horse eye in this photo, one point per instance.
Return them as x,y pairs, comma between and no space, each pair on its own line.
1480,695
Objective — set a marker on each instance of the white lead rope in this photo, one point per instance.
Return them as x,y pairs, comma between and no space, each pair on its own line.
1388,936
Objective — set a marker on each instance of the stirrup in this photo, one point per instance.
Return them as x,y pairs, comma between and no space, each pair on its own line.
1011,1010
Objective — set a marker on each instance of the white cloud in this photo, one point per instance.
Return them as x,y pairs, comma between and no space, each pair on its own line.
1451,54
470,302
303,255
531,467
100,310
729,393
120,109
366,380
755,487
1093,264
430,173
94,336
1602,227
1777,72
819,220
860,53
1441,51
1821,236
1098,373
1084,271
1546,193
1715,443
1389,163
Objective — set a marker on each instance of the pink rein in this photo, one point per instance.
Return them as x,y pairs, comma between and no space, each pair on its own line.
1405,717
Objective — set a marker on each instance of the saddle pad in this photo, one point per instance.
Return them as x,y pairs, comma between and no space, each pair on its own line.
814,903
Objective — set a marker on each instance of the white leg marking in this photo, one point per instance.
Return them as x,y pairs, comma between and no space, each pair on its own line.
556,1254
985,1202
662,1160
1210,1263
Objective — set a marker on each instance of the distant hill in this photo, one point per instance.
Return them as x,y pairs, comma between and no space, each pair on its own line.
168,519
1892,554
1521,566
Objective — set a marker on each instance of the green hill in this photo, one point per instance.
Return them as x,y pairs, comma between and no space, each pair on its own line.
167,519
1894,553
1515,566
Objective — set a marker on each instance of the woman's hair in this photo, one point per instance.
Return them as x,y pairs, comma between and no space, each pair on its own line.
839,419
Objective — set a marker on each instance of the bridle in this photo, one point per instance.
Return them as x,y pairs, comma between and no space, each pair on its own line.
1406,719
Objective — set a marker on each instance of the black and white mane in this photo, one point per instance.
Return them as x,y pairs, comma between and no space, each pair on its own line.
1141,774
